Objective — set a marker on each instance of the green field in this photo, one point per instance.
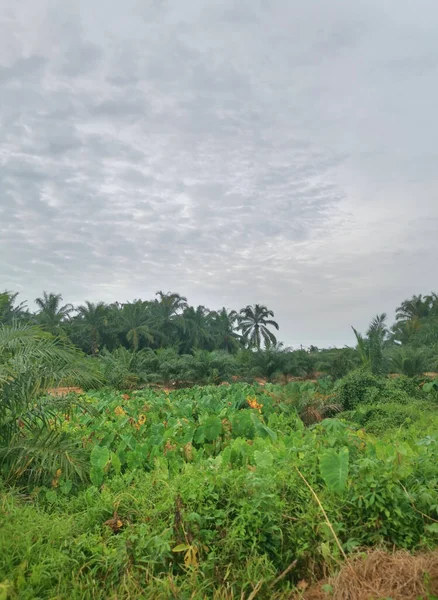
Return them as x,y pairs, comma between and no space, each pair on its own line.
213,492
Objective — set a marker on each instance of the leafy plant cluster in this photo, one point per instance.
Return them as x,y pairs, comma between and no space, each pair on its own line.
212,491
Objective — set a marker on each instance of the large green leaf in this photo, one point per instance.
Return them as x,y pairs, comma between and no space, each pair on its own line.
96,476
334,469
263,459
99,457
212,428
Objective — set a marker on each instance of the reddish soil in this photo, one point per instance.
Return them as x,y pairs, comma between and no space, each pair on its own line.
63,391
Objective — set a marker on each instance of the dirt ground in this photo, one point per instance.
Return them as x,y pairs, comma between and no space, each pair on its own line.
63,391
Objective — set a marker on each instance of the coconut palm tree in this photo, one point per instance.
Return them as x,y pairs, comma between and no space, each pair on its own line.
254,322
52,313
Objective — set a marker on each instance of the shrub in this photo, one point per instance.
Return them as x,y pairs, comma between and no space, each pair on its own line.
379,418
354,389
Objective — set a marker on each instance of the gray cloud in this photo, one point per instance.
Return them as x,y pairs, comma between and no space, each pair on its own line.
281,152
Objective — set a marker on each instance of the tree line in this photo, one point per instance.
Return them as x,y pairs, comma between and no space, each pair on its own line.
166,321
172,340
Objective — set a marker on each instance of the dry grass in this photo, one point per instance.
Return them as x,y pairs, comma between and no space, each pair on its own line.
379,576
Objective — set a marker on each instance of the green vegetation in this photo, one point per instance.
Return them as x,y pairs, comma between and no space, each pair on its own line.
156,482
172,340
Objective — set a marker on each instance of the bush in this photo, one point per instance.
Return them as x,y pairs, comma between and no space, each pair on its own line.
354,389
379,418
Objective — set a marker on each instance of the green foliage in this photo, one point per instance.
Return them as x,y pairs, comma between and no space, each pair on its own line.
354,388
334,468
32,361
380,418
254,322
194,487
190,488
410,361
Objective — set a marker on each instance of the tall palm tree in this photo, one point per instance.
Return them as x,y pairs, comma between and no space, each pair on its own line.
52,313
94,319
167,316
135,321
195,333
416,307
9,311
254,322
223,325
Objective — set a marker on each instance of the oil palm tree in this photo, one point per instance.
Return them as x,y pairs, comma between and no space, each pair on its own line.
31,443
166,316
254,322
9,311
94,320
195,332
223,325
134,319
370,347
416,307
52,313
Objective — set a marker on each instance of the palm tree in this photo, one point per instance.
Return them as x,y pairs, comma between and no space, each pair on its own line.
134,320
52,312
417,307
167,317
370,347
253,322
410,361
9,311
94,320
223,325
195,332
31,362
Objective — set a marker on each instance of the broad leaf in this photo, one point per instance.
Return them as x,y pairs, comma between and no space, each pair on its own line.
99,457
212,428
96,476
334,469
263,459
116,462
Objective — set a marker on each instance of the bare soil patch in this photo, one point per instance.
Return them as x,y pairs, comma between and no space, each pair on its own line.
63,391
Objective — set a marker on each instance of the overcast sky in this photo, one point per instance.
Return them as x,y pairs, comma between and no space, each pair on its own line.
234,151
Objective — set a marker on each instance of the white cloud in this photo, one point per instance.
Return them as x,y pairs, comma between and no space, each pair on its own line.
280,152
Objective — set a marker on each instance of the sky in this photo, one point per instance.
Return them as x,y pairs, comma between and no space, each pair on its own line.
233,151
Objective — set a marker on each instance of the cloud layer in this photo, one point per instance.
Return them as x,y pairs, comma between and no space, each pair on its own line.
235,152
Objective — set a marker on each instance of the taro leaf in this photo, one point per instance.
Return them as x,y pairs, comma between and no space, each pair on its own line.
99,457
267,432
199,435
116,462
65,486
334,469
96,476
263,459
213,428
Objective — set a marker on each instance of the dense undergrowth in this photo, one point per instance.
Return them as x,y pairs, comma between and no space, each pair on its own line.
213,492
